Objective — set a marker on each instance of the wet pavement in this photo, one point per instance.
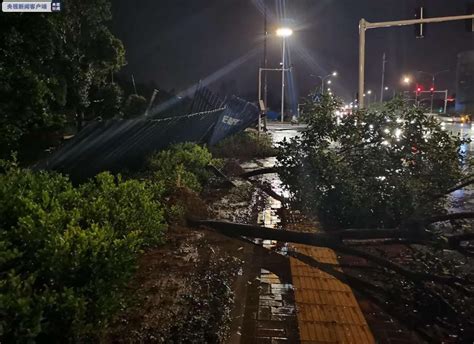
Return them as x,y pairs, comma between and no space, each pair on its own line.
288,301
270,315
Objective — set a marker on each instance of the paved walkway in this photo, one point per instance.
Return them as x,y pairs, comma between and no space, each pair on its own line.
327,310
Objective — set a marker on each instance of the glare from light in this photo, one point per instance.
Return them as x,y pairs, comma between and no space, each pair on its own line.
369,92
334,73
284,32
329,82
406,80
386,88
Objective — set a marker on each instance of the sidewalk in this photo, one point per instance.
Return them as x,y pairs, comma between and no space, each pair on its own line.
327,310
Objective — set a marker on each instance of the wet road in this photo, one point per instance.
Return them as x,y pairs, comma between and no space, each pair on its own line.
462,200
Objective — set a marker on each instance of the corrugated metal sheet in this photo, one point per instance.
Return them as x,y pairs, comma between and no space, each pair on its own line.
237,116
118,145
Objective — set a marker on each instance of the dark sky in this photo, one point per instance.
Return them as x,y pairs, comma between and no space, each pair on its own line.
178,42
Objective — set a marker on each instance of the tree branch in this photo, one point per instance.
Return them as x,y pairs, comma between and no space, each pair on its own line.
320,240
448,217
258,172
456,187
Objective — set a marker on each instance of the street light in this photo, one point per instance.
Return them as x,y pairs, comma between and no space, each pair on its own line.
407,81
283,32
324,78
433,78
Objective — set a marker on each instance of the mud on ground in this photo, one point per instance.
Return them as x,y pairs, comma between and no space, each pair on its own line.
183,291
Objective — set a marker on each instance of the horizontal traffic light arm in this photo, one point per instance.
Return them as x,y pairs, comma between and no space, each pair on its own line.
368,25
364,25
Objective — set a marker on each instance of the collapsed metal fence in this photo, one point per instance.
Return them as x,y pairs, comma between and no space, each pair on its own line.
119,145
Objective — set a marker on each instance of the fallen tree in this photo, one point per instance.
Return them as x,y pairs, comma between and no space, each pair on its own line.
379,181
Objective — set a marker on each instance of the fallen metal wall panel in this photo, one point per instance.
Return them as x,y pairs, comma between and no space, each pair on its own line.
238,116
118,145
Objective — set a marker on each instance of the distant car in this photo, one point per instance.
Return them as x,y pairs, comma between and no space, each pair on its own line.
466,118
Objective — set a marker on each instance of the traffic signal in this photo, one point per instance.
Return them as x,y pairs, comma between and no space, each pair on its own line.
418,90
420,28
470,22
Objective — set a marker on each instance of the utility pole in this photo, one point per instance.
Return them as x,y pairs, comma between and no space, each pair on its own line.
382,87
364,25
265,59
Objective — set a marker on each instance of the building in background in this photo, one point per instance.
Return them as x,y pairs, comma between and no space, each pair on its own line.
465,83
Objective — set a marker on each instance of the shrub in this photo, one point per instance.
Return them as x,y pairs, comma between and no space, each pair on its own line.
245,145
66,253
182,165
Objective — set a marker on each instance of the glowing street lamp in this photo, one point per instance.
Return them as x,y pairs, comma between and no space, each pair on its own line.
324,78
369,94
283,32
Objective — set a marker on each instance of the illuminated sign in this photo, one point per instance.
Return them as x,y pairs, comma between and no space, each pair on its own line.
31,6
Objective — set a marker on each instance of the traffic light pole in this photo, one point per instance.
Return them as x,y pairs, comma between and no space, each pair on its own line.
364,25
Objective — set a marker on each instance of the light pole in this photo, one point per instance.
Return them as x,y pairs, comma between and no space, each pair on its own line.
283,32
382,88
433,88
324,78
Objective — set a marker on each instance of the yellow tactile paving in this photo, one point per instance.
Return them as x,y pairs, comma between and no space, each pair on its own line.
327,309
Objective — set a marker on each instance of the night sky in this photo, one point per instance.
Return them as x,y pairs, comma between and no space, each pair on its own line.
178,42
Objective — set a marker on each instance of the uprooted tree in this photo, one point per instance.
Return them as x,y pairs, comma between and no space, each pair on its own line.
377,179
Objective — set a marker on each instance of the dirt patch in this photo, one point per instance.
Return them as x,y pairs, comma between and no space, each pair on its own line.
182,291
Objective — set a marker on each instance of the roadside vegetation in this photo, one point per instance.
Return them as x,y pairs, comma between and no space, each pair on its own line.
68,252
244,146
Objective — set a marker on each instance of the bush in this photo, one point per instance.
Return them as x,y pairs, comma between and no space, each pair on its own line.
182,165
66,253
245,145
374,168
